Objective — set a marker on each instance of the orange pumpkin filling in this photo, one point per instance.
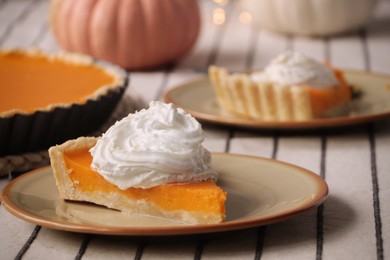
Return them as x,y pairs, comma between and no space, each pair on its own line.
327,98
204,196
31,82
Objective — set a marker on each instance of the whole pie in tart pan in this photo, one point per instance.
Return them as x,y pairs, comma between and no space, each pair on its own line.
47,98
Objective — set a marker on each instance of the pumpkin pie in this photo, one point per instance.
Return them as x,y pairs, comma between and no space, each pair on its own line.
151,182
292,87
49,98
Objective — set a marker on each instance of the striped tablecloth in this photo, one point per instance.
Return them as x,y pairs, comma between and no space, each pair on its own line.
354,222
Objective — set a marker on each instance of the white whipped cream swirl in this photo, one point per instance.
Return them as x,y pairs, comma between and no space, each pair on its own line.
294,68
154,146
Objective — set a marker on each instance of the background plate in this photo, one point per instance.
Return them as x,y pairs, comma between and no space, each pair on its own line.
198,98
260,191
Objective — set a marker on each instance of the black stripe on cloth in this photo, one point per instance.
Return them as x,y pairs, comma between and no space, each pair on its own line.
217,38
210,61
2,2
229,139
249,64
320,210
40,35
199,249
163,85
327,49
28,8
366,55
260,242
375,193
252,46
28,243
83,247
140,251
201,243
261,232
289,42
275,147
374,172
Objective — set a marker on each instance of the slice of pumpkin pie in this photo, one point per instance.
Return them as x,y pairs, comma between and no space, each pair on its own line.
293,87
151,162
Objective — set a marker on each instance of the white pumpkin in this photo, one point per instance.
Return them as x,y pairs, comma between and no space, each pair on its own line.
310,17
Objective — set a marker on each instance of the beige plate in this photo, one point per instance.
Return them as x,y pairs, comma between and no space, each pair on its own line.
260,191
198,98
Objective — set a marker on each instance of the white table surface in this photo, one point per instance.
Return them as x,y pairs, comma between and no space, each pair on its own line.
354,222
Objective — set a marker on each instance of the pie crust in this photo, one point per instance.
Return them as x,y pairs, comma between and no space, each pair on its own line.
71,188
37,128
238,94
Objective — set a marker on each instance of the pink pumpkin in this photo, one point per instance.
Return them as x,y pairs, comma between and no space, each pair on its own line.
135,34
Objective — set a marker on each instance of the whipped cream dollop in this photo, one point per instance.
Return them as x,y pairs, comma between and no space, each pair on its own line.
294,68
151,147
